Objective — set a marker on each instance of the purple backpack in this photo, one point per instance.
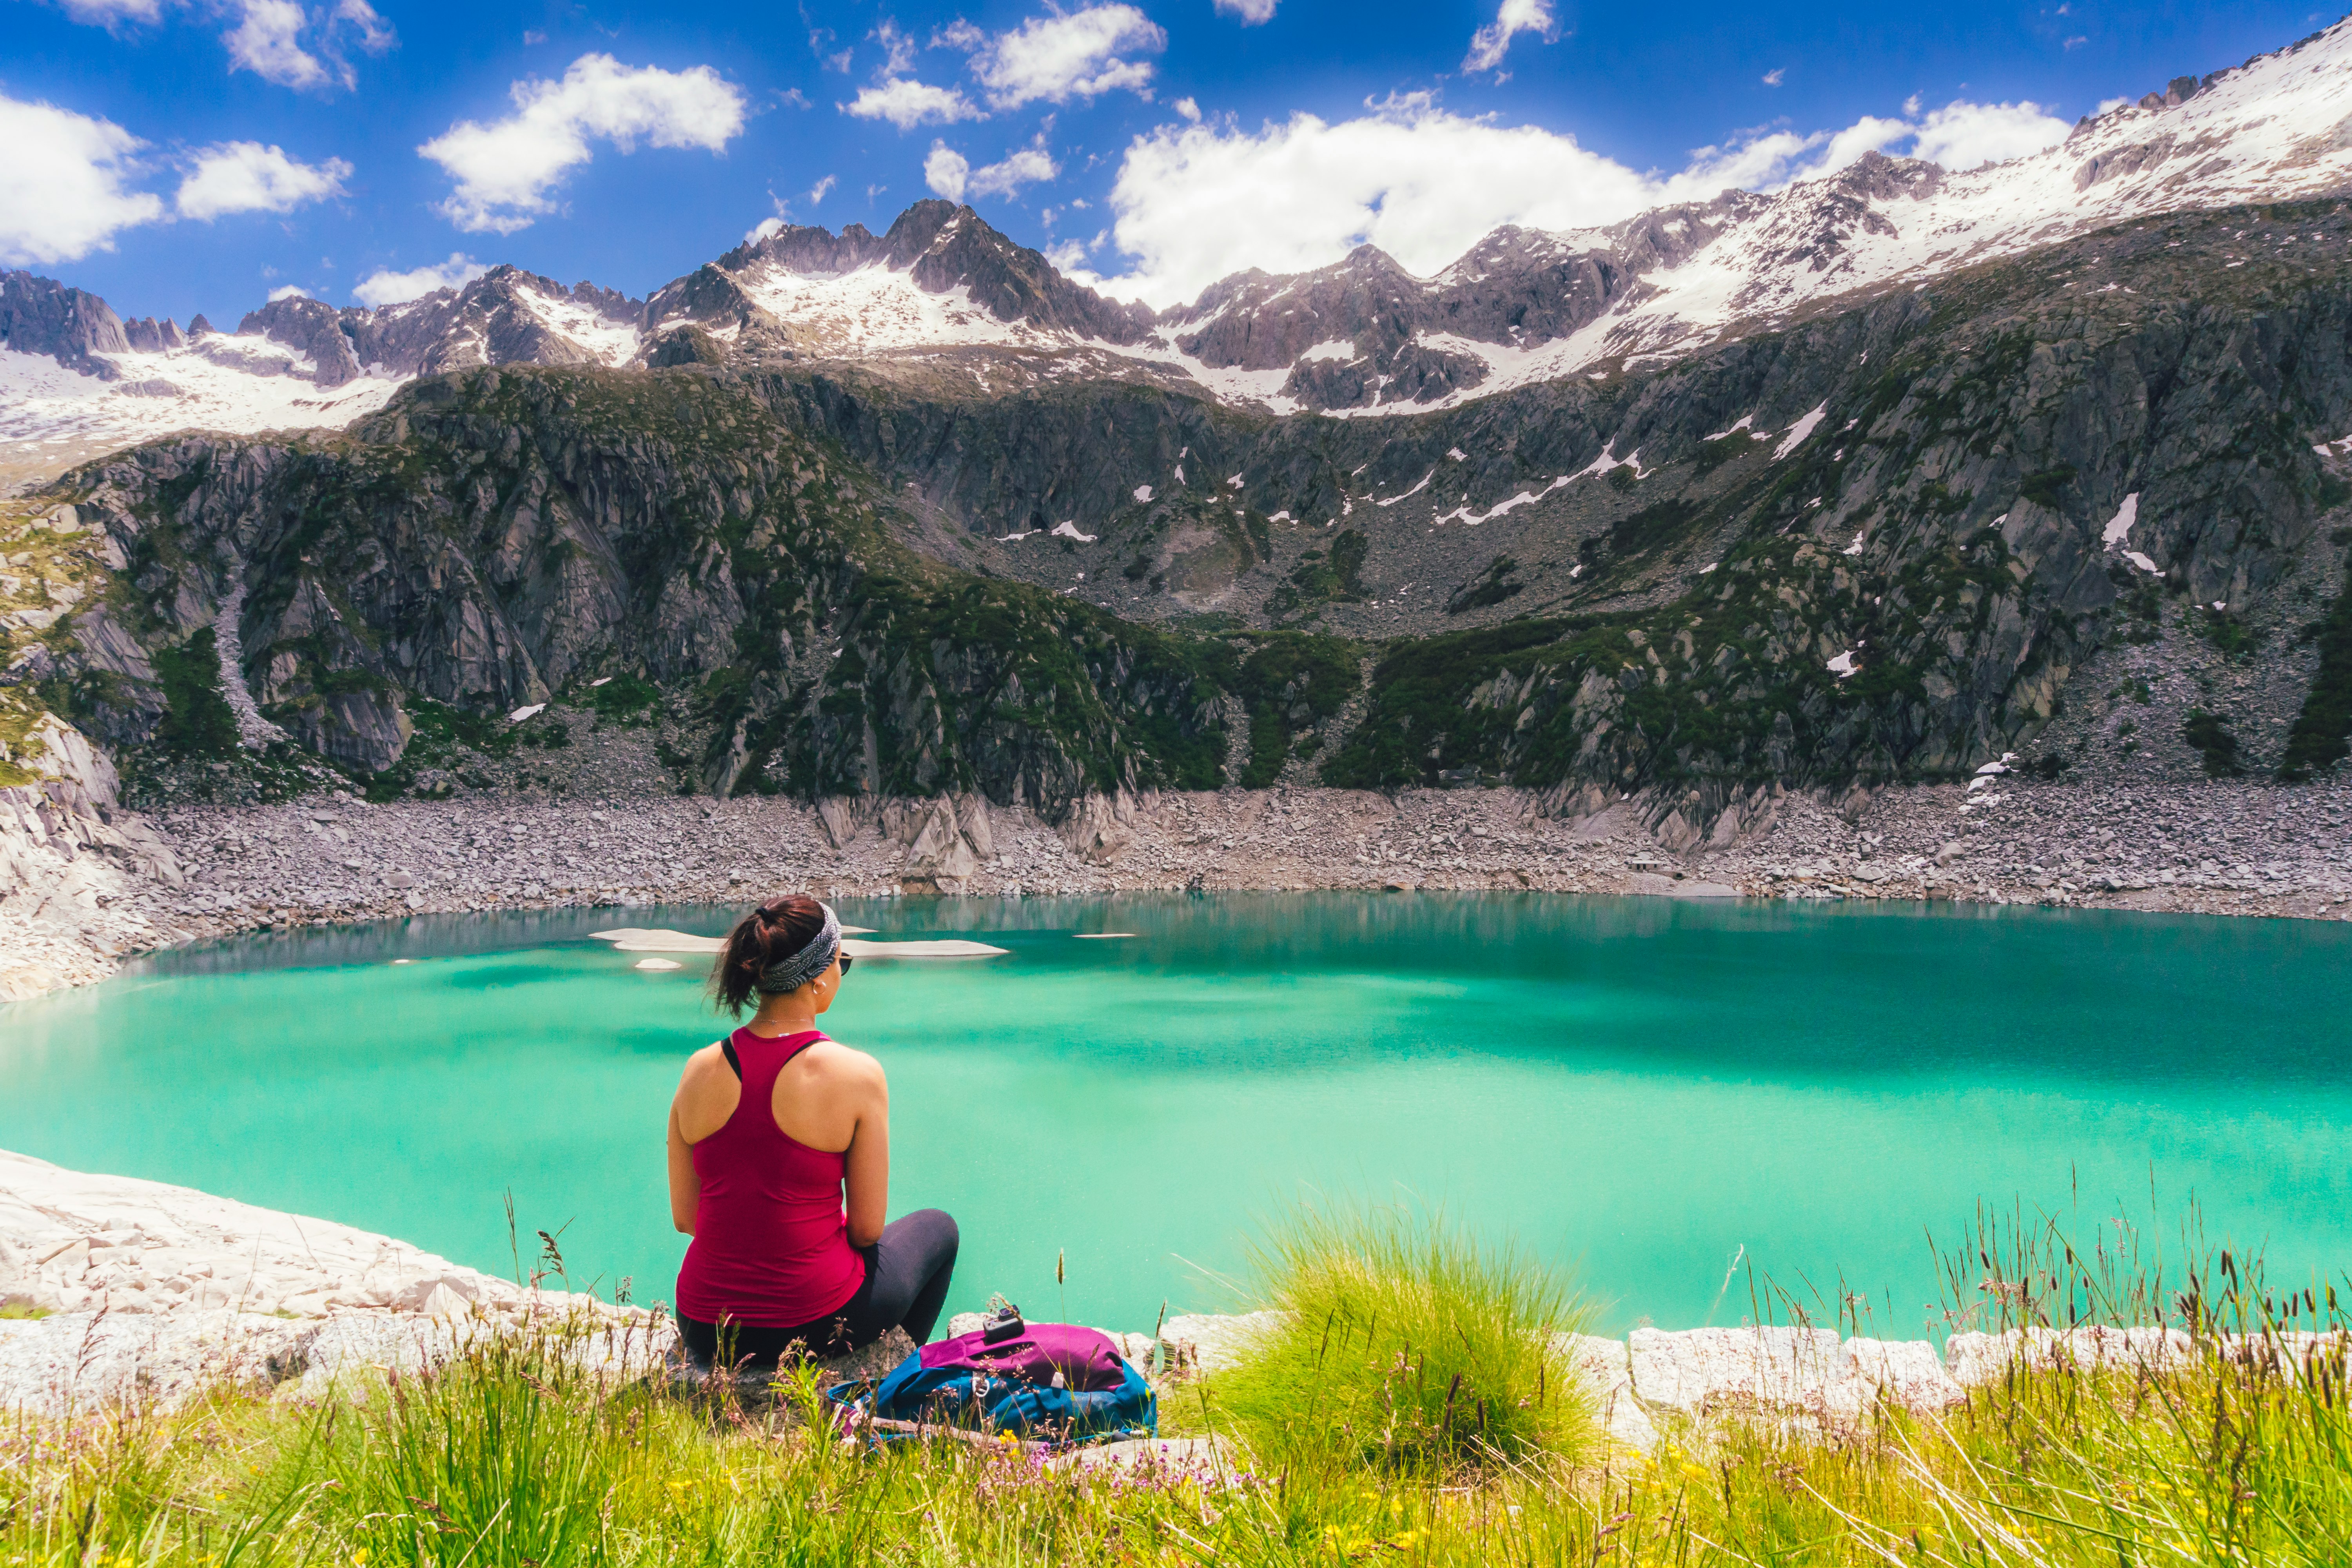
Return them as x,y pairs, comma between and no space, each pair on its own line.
1054,1383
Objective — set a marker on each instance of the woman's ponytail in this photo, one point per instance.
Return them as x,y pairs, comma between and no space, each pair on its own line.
776,929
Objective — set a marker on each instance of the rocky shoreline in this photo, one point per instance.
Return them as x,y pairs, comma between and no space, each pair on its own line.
84,883
124,1291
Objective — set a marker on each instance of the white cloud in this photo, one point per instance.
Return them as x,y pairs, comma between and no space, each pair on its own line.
506,171
1251,12
1062,56
818,192
950,174
899,48
289,292
1195,202
375,33
385,286
1963,136
1488,45
1189,107
268,38
112,13
763,229
1776,76
1028,165
247,177
61,183
266,43
945,171
906,103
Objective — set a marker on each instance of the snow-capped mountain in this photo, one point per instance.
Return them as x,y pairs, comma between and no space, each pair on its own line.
75,380
941,278
942,291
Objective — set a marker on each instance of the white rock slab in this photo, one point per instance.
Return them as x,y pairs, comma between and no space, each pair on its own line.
1976,1360
1694,1370
1908,1371
1212,1342
88,1362
1606,1369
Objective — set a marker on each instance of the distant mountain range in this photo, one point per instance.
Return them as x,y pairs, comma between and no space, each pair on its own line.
1882,476
1363,335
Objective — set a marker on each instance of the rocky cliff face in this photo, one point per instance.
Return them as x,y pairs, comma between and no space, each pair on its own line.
1878,546
1945,464
506,316
497,537
42,316
1366,333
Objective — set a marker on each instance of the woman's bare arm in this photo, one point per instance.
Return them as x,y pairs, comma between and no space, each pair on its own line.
685,1186
866,1166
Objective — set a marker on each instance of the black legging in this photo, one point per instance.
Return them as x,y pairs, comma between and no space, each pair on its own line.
906,1276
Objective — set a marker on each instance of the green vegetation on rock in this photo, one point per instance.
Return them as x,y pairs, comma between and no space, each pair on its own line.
1406,1344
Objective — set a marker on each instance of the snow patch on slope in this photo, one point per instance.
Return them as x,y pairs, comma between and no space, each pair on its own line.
612,342
42,404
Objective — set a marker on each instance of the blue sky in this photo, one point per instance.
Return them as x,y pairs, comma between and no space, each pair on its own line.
180,156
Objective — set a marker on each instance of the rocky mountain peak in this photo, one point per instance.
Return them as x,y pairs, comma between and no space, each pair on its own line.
43,316
802,289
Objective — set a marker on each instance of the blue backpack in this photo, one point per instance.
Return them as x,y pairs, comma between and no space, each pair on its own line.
1050,1383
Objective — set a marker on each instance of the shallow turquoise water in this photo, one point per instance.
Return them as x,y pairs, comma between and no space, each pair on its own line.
1641,1090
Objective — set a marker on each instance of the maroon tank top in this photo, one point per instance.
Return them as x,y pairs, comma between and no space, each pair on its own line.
770,1246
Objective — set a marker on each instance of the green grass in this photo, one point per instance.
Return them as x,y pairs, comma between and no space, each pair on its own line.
514,1456
1407,1344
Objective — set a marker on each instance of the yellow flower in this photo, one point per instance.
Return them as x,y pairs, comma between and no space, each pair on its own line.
359,1558
1698,1473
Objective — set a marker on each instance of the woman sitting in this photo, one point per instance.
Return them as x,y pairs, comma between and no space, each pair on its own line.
767,1130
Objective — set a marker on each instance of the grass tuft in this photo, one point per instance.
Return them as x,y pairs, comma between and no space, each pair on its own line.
1406,1343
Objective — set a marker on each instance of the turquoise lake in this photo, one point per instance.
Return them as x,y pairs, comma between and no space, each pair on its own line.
1641,1090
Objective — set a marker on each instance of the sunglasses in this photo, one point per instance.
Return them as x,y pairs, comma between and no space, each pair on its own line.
846,962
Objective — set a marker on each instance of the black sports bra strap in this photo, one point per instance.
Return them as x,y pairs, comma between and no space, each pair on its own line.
735,1063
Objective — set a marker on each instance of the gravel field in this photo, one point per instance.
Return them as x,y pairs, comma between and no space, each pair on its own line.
610,834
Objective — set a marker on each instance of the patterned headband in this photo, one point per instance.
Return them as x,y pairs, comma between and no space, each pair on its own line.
791,974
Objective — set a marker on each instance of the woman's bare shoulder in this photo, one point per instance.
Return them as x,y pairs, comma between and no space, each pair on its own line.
701,1064
834,1059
